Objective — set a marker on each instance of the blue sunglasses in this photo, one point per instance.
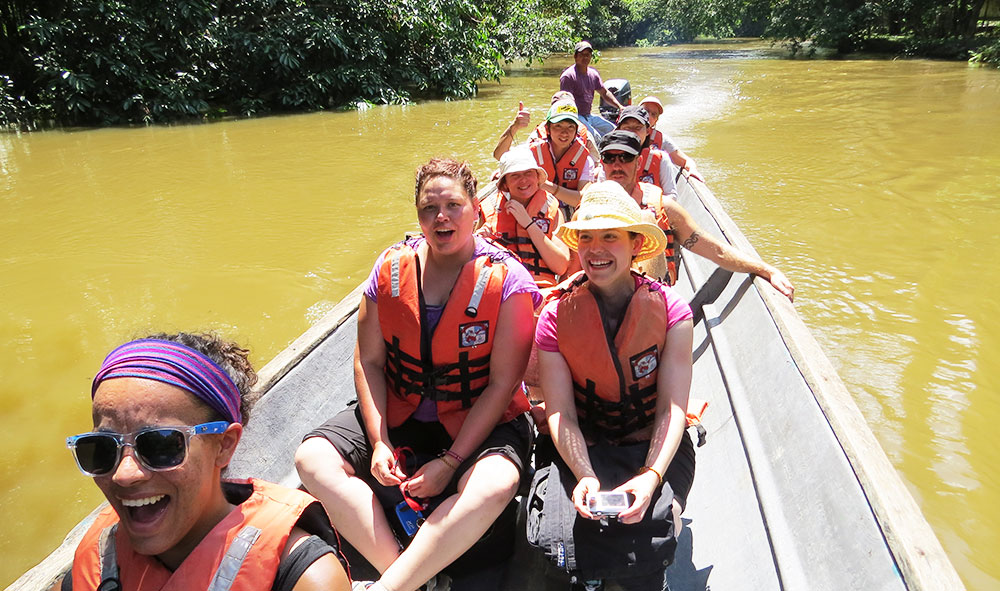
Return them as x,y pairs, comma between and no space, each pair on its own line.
156,448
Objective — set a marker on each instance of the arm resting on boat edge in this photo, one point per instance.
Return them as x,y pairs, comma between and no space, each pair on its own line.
724,255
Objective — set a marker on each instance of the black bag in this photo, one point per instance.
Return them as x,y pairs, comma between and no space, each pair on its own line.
587,548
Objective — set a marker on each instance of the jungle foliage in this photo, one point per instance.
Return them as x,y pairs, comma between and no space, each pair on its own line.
148,61
941,28
143,61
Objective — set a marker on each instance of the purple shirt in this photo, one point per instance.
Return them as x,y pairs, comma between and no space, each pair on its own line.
582,87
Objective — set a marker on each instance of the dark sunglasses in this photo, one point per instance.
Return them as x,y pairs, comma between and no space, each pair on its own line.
623,157
156,448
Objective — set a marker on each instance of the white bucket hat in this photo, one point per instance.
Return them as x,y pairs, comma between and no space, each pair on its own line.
606,206
520,159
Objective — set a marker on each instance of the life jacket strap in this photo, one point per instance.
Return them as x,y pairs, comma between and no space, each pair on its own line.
109,560
477,293
236,555
394,274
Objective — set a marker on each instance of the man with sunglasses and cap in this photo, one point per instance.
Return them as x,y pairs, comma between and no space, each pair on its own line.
168,414
583,81
655,167
620,161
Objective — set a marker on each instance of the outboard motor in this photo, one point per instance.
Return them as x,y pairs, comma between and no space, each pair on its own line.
622,91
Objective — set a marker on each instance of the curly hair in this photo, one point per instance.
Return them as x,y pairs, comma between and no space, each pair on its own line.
460,172
230,356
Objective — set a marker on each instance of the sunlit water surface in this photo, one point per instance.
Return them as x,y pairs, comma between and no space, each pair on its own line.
872,184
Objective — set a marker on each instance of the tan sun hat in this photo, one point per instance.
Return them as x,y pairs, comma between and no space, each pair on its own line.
606,206
520,159
652,100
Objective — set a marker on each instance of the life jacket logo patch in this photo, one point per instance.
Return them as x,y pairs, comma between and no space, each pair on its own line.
542,223
570,174
644,363
646,178
474,334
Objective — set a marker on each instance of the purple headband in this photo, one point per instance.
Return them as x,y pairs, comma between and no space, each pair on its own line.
177,365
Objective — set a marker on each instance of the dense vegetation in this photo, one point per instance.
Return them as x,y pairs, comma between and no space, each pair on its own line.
142,61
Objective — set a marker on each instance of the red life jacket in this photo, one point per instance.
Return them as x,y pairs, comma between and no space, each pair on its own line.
656,139
649,166
614,380
502,227
246,547
567,172
453,366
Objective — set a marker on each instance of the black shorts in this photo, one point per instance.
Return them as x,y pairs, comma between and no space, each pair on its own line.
346,432
680,472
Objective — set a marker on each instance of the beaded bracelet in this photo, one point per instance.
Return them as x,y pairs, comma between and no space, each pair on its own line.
645,469
454,456
448,461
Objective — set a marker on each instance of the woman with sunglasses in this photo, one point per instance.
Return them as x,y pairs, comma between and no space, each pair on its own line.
168,414
615,362
444,331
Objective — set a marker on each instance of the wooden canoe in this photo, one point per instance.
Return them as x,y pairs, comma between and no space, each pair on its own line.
792,490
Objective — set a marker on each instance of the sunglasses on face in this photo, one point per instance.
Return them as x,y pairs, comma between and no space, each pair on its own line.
612,158
156,448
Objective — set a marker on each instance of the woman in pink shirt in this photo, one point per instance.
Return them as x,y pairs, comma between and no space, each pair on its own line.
615,362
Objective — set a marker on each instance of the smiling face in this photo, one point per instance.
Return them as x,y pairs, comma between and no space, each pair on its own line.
561,133
447,215
583,58
606,255
521,185
163,513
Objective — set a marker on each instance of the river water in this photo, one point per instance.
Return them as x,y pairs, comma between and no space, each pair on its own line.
873,184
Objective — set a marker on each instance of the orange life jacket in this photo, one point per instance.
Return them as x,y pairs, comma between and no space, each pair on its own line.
656,139
614,379
568,170
649,166
453,366
241,553
502,227
621,399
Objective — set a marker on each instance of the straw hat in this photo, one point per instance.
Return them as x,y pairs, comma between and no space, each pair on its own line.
606,206
520,159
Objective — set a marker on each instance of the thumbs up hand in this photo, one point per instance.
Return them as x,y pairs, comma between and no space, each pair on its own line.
522,119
